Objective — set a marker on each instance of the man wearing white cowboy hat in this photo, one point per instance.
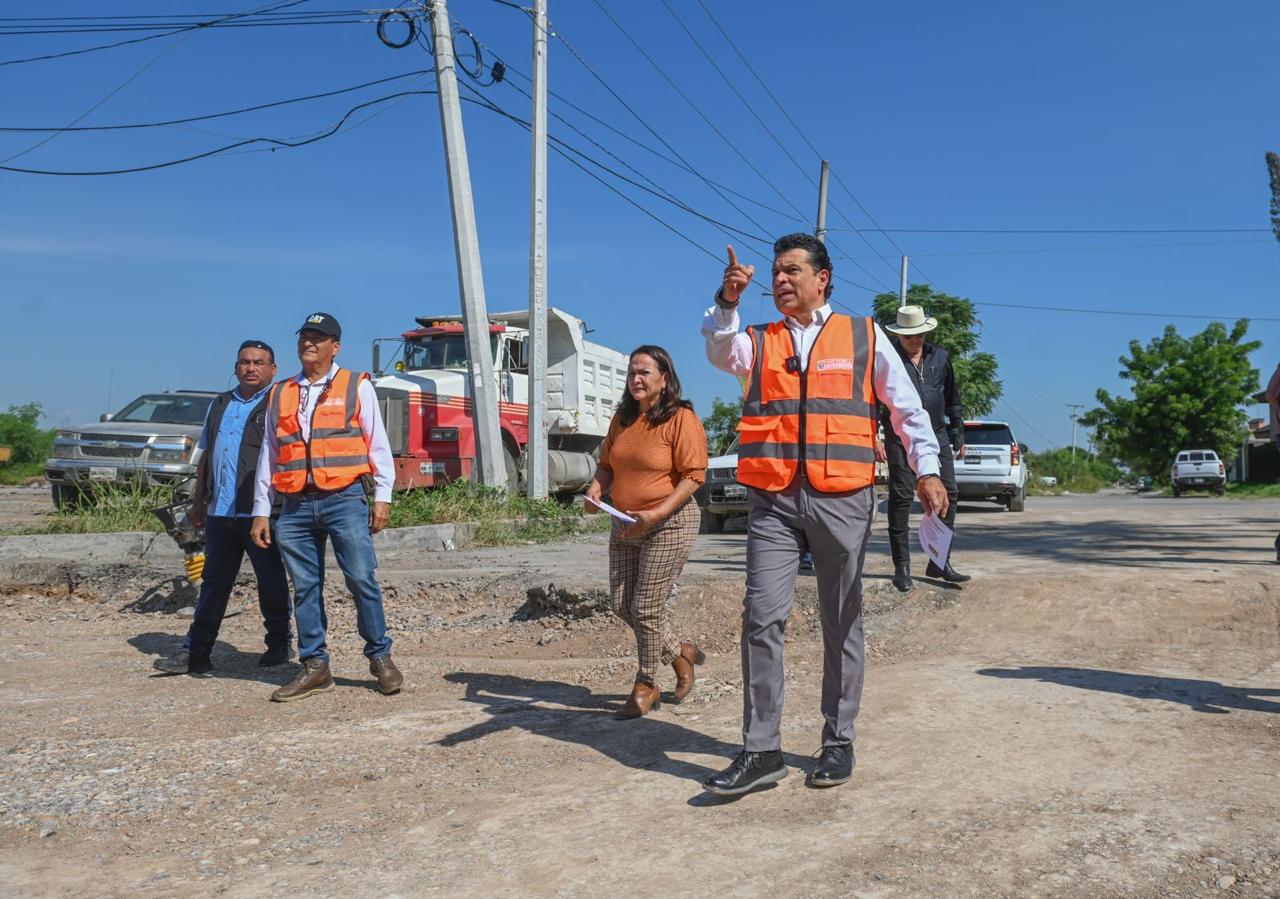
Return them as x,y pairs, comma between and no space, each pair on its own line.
930,369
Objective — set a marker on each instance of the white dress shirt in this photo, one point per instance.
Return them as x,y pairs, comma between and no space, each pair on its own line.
731,350
375,438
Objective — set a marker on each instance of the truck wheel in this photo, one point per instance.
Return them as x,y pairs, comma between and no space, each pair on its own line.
1175,491
1018,502
712,523
64,496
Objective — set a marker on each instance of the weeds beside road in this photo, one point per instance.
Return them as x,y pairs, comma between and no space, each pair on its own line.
502,518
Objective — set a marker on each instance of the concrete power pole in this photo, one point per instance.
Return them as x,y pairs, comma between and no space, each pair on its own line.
902,284
1074,407
536,454
820,231
475,317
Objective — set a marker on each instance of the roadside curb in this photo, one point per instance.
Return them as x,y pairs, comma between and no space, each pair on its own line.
25,559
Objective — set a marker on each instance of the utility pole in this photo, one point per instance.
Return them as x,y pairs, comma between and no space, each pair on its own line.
475,317
536,454
820,231
902,284
1074,407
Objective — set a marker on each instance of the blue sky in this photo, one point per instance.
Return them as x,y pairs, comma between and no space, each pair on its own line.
998,115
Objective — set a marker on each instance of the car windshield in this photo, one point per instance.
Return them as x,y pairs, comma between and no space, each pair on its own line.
988,435
167,408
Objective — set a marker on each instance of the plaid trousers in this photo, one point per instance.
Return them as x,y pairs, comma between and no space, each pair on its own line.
641,573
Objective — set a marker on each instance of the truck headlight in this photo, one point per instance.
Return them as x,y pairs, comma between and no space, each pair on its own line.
64,445
171,451
449,435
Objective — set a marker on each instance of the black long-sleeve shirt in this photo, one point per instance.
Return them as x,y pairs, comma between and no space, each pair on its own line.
939,394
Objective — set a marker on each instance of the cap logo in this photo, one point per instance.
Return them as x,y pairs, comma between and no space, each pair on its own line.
315,319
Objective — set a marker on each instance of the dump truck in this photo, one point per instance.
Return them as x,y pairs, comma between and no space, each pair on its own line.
423,386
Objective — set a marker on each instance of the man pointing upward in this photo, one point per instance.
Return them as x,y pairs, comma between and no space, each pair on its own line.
807,455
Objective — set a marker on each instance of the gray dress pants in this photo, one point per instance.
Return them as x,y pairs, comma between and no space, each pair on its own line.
781,527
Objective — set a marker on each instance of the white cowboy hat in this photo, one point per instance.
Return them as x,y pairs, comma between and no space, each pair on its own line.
911,320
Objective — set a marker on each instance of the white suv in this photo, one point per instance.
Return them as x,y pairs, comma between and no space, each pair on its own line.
994,466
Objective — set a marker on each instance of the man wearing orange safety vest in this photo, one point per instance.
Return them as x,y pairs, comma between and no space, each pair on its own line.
325,443
807,455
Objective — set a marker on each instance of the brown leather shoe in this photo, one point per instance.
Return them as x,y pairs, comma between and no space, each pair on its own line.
313,678
643,700
690,655
388,675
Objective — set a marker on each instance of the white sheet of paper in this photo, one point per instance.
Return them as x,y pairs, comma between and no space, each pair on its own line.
935,538
621,516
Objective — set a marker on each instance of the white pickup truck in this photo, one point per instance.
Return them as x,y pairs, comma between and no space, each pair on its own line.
1198,468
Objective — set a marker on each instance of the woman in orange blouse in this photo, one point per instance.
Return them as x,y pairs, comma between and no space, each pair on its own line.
652,461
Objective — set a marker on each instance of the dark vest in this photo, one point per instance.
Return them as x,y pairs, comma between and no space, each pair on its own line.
250,445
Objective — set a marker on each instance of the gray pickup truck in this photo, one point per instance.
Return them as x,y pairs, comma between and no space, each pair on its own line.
151,441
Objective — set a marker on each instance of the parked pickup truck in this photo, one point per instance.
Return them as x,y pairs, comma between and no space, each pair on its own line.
722,496
1198,468
994,466
151,441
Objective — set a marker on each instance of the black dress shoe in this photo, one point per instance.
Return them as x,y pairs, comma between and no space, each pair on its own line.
902,576
948,574
748,771
276,655
184,663
835,766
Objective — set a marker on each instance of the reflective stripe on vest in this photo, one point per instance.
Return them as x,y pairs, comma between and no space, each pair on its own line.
336,455
824,415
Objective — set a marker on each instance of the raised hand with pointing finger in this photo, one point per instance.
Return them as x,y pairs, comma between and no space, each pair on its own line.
736,277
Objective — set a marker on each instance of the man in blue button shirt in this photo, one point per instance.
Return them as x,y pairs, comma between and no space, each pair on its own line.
223,504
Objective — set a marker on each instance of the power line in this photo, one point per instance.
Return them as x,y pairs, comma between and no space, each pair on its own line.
554,32
763,124
136,40
1131,246
155,59
1125,312
1064,230
221,115
277,142
805,137
1029,425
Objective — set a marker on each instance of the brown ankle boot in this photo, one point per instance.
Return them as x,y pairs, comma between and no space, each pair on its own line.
642,701
690,655
313,678
388,675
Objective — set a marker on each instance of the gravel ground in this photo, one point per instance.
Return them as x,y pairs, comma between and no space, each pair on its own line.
1096,714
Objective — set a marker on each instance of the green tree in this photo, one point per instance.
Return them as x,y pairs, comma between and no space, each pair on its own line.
1188,392
722,425
1089,471
20,431
957,332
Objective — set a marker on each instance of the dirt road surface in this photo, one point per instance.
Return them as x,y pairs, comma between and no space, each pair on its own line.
1096,714
22,507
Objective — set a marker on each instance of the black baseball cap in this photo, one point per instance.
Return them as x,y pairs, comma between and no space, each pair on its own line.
324,323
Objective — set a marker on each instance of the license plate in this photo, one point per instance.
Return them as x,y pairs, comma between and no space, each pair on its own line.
102,473
735,491
430,468
972,460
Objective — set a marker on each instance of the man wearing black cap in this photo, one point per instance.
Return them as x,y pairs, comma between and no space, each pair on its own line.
223,505
325,444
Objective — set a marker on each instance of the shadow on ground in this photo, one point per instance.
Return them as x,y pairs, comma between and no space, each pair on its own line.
1199,695
576,715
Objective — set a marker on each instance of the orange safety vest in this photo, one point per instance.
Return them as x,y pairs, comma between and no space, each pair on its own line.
824,415
336,454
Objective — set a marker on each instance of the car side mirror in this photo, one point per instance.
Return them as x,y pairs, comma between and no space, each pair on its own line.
1022,448
105,416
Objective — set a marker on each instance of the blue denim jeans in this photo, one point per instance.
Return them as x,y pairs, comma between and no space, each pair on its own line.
306,523
226,542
